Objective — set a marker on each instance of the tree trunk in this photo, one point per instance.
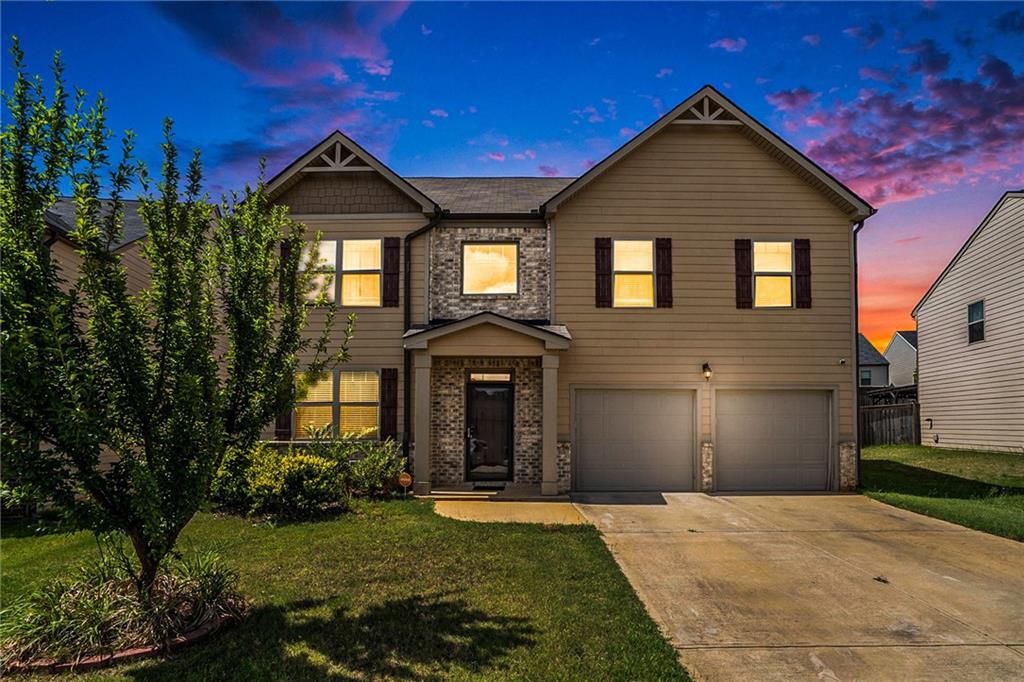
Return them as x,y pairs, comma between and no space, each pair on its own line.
148,562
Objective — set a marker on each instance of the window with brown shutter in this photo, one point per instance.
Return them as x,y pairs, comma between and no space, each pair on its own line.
389,403
390,272
802,262
663,271
744,275
603,272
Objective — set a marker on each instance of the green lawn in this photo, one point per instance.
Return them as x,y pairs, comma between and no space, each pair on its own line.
982,490
394,591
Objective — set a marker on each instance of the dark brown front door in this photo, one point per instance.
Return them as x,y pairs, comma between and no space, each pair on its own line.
489,431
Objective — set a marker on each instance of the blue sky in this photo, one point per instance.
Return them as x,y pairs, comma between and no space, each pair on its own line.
917,106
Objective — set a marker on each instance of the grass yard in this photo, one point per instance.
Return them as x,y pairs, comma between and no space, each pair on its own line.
396,592
981,490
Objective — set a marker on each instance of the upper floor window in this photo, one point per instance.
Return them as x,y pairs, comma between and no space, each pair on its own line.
360,276
976,322
865,377
773,274
632,273
490,268
346,401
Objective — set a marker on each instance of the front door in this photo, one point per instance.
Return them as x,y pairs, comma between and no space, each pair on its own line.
489,431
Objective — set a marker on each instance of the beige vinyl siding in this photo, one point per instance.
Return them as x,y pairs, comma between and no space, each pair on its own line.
486,340
65,254
418,279
704,188
974,393
902,361
137,269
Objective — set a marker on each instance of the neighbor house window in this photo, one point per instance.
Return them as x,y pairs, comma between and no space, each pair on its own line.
632,273
360,273
346,401
976,322
325,267
490,268
865,377
773,274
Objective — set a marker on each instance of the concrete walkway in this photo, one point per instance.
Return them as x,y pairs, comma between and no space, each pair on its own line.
509,512
829,587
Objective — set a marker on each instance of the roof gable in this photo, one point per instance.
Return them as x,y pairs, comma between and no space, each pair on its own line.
963,249
709,107
867,354
338,153
555,337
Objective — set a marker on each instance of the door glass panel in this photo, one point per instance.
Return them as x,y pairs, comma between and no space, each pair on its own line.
490,376
488,433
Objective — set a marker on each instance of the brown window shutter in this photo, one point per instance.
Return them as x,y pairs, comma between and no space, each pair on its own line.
390,271
389,403
663,272
285,252
744,274
603,271
802,256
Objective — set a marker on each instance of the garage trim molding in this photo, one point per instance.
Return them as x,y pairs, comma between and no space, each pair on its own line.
833,419
697,388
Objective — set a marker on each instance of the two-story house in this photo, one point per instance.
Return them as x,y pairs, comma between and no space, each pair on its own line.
681,317
901,353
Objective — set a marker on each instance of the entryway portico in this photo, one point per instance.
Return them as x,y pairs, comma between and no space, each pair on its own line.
468,376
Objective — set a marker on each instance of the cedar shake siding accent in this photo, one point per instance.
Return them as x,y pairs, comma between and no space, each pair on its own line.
705,187
972,394
360,192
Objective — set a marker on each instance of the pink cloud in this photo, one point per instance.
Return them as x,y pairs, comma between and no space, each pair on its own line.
587,164
869,34
730,44
812,39
626,132
495,156
548,171
439,113
789,100
525,154
873,74
663,72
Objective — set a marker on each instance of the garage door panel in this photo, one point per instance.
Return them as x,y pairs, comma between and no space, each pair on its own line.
772,440
634,439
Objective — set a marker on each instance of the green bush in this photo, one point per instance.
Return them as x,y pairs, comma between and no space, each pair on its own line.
294,483
230,486
376,472
98,609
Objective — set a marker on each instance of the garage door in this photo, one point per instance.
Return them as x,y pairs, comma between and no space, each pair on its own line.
772,440
634,440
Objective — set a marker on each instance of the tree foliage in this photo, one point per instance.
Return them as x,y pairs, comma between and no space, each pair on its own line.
118,406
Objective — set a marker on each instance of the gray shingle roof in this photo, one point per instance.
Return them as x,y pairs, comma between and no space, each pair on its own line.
490,195
867,354
910,337
61,218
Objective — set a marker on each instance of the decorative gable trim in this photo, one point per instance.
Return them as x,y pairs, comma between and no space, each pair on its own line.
553,340
337,153
708,106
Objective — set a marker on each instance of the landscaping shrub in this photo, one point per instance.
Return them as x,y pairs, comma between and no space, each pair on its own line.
99,609
230,486
295,483
376,472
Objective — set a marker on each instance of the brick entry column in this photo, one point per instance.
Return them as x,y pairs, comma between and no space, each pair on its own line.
421,430
549,439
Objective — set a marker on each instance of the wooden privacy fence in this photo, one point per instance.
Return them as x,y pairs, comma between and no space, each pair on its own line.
890,424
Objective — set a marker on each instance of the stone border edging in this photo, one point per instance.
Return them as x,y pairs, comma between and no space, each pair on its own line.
208,628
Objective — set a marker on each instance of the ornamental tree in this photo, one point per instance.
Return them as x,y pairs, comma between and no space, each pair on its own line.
157,383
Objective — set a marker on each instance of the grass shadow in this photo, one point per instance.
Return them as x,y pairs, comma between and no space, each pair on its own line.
883,475
421,636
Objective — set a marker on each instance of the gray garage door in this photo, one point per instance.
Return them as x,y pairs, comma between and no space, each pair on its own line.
634,440
772,440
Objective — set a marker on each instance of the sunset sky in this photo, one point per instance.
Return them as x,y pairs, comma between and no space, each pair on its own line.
918,107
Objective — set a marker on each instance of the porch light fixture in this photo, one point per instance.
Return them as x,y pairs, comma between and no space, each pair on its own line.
706,369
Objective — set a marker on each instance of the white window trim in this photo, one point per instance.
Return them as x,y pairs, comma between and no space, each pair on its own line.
652,272
335,404
791,273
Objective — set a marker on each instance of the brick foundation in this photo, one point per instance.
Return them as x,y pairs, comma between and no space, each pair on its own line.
848,466
707,466
564,464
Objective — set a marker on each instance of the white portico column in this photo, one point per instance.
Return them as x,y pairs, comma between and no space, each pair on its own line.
549,431
421,430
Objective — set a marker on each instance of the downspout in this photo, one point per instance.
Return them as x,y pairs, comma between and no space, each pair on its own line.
406,324
856,342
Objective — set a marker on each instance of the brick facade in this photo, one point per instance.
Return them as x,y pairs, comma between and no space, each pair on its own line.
346,193
448,417
446,299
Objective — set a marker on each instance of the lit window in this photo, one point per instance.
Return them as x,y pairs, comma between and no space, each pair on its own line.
490,376
773,274
324,264
347,401
976,322
360,272
633,274
490,268
865,377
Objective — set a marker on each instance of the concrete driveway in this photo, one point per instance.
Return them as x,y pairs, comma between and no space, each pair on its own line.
819,587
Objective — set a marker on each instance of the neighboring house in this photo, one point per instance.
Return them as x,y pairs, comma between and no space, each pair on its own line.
970,332
60,223
902,356
872,367
681,317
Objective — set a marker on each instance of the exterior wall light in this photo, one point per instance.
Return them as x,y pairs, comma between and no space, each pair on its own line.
706,369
